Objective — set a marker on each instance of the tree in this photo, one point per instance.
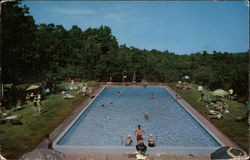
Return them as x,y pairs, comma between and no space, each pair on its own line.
17,37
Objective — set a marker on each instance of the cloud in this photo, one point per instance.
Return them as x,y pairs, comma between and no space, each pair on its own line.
73,11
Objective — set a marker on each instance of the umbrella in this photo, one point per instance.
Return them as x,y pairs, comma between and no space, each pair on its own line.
229,153
43,154
2,158
186,77
33,86
220,92
8,85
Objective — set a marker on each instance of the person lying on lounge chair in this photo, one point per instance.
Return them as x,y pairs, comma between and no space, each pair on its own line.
241,118
66,95
211,111
215,116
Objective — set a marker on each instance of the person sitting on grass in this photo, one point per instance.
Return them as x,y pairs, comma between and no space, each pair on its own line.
177,97
201,98
66,95
242,118
47,142
215,116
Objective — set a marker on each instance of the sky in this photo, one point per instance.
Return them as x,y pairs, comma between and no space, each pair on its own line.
182,27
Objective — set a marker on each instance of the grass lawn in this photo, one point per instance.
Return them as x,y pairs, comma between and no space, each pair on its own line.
236,131
18,139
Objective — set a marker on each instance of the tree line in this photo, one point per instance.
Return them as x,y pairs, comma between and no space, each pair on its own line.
32,52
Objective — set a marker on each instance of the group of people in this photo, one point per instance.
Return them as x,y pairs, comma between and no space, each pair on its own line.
183,85
140,146
36,99
216,107
83,89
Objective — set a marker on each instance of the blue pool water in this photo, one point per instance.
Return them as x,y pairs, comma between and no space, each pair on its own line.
107,125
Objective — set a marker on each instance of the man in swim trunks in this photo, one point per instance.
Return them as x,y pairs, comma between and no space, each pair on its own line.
139,133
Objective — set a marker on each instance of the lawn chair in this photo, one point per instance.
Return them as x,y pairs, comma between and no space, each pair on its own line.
17,121
4,112
66,95
18,106
210,111
216,116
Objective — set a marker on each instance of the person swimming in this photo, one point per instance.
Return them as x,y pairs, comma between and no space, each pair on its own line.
151,140
152,96
146,115
128,141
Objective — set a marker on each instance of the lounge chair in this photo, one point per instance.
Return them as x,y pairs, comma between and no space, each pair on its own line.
216,116
66,95
17,121
4,112
2,158
18,107
210,111
2,120
241,118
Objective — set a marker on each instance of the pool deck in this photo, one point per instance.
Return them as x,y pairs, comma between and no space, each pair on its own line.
95,156
72,156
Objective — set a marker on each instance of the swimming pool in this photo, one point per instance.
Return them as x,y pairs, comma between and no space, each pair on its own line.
106,122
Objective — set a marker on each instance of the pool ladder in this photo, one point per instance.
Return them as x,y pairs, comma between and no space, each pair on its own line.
121,140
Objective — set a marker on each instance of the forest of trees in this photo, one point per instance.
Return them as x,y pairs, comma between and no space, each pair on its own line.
32,52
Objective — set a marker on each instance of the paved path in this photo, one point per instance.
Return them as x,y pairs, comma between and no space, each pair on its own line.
72,156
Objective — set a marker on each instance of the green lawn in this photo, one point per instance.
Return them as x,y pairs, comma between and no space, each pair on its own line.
18,139
237,131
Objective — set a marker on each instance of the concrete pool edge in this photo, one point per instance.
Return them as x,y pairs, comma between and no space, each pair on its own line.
85,149
99,156
65,130
131,150
206,124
